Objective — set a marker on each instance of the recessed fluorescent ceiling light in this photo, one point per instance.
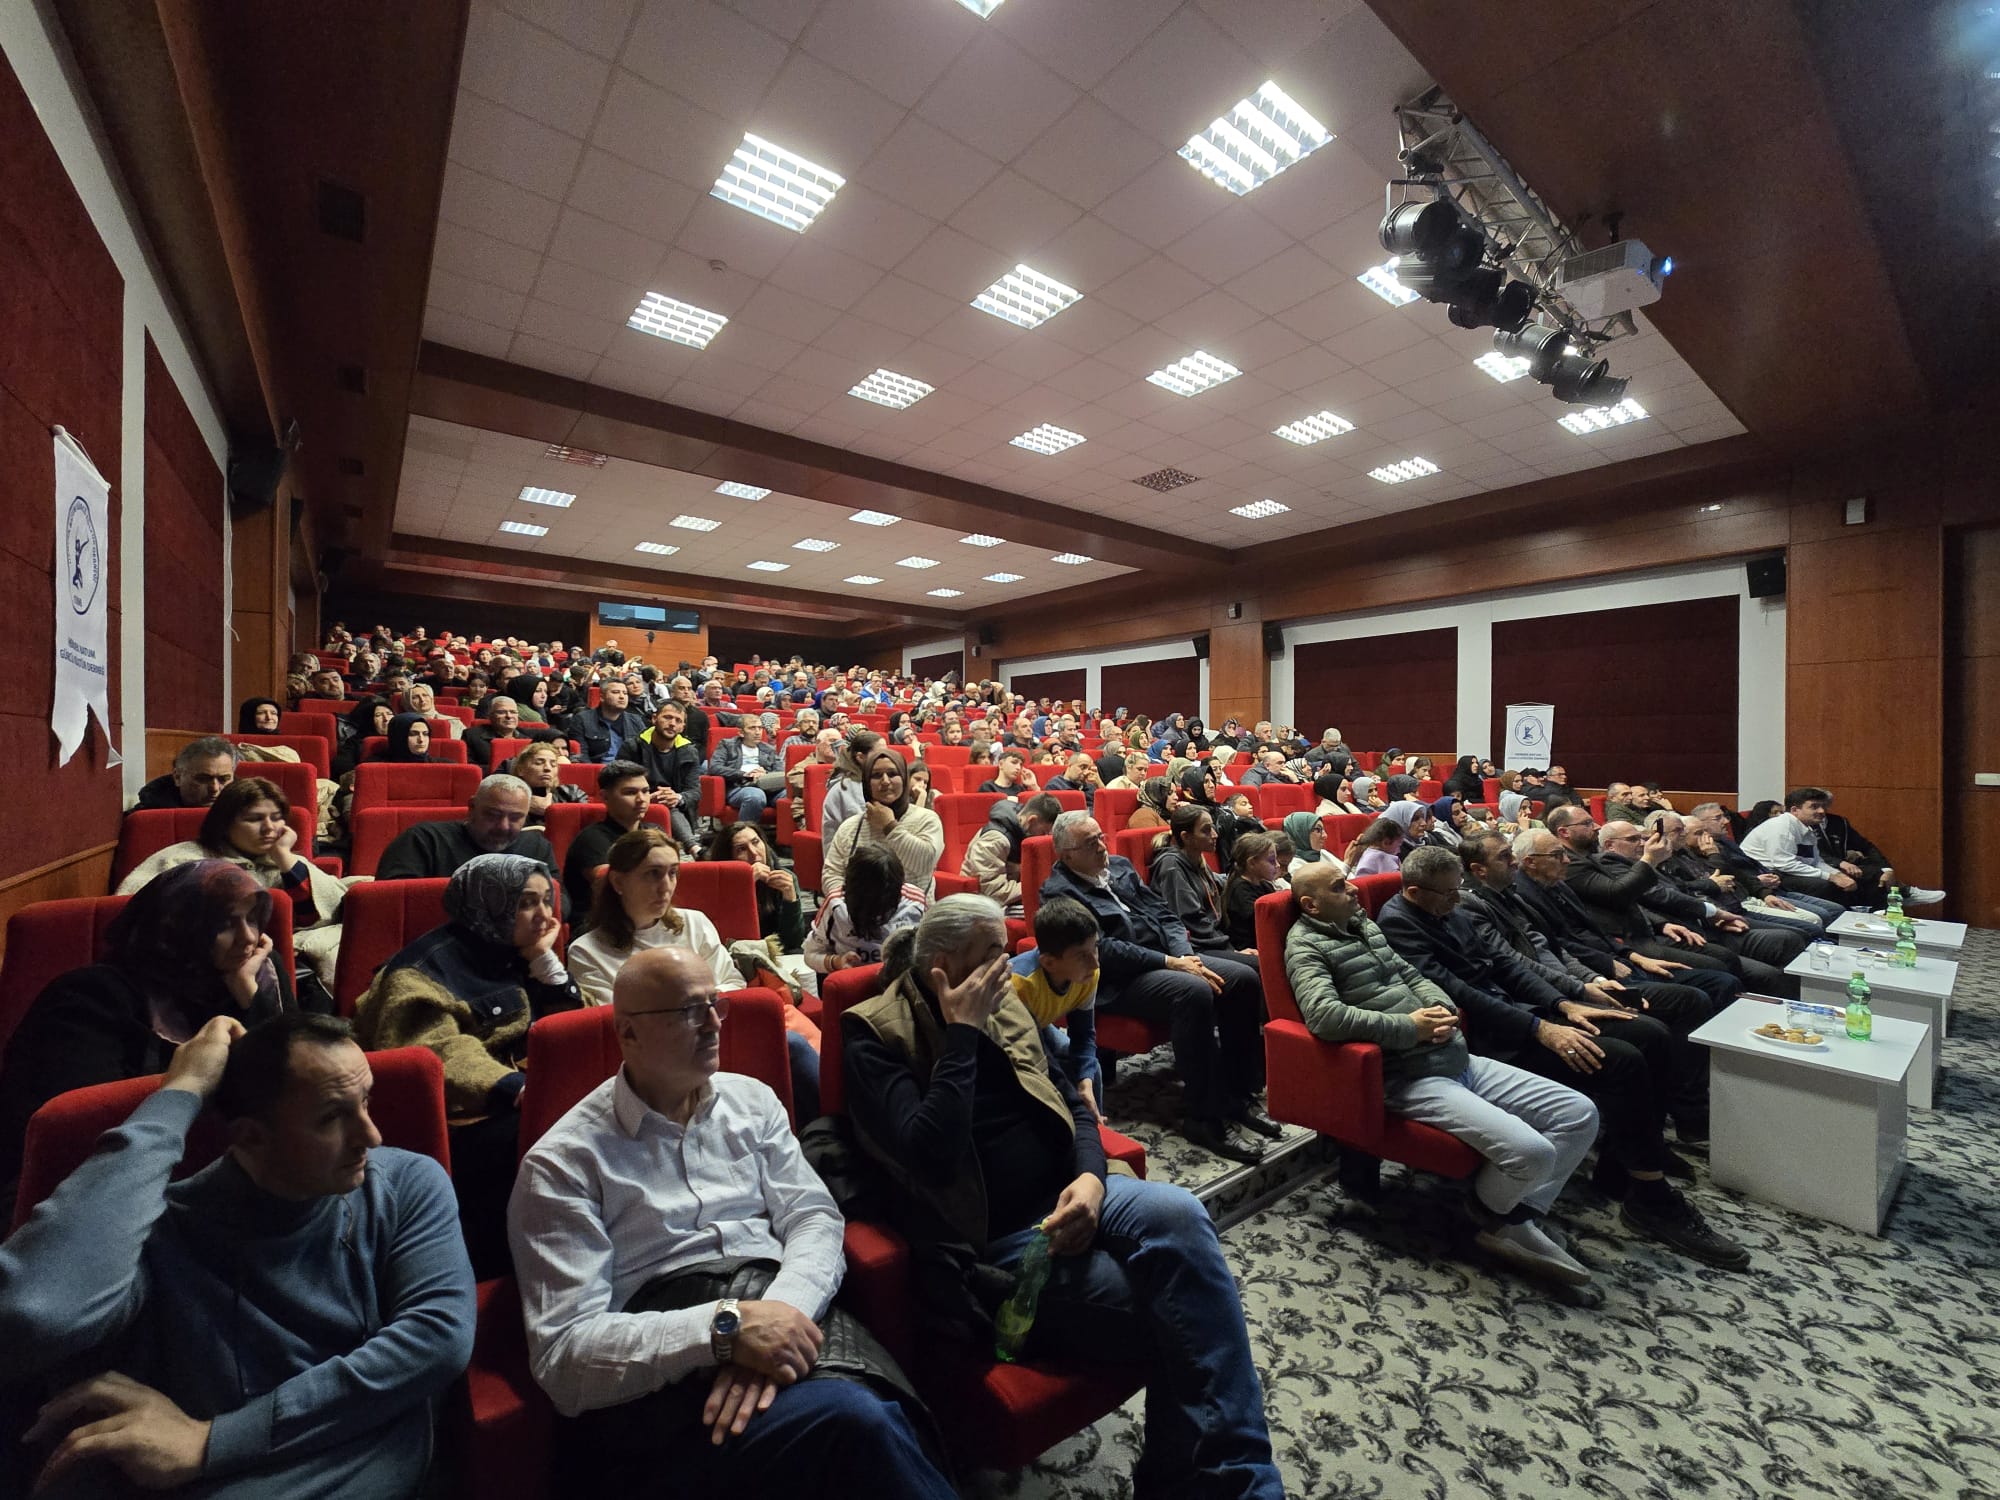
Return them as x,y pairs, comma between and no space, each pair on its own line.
814,544
776,184
1255,141
682,322
946,593
1024,296
1072,559
1316,428
1047,439
1005,577
981,539
1381,280
557,498
1597,418
916,562
1502,367
874,518
522,528
741,491
1256,510
1714,506
661,549
767,567
981,8
694,523
1409,468
887,388
864,579
1195,374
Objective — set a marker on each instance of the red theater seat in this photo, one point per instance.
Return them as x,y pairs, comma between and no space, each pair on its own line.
1115,806
442,751
310,748
963,815
1071,801
724,891
1343,829
1038,861
1375,891
808,847
1281,797
583,773
145,832
565,820
503,750
379,917
376,829
393,784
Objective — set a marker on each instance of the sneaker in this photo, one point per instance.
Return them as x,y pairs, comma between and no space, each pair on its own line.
1525,1247
1215,1136
1922,895
1679,1224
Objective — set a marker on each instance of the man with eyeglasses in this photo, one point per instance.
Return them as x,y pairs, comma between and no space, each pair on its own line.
678,1260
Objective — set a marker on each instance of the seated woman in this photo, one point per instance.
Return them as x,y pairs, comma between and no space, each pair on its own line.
531,695
422,701
188,947
1449,820
1416,822
1253,874
1219,760
1335,793
846,793
1400,787
247,826
1121,773
1307,834
258,716
1420,768
1181,876
914,833
779,915
540,766
469,991
1465,782
1155,803
635,909
1198,789
1373,851
920,785
369,717
876,902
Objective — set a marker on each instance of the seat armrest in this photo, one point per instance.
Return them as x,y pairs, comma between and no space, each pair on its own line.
879,1288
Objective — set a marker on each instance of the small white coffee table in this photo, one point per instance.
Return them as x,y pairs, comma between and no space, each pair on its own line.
1919,994
1862,929
1819,1132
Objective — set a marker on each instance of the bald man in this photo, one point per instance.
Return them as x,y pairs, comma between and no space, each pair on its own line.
678,1260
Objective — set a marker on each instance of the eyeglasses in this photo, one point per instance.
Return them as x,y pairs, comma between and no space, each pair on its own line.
691,1014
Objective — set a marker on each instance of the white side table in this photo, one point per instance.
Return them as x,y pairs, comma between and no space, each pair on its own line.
1818,1132
1920,994
1861,929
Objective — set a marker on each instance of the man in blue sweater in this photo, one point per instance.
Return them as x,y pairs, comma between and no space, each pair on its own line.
278,1323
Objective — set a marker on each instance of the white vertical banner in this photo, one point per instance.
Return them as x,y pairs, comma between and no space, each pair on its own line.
82,576
1531,735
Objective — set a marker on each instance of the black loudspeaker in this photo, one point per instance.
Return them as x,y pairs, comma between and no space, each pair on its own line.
256,468
1767,577
1274,641
988,636
1201,647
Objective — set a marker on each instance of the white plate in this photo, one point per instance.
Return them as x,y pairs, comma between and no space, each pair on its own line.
1872,924
1778,1041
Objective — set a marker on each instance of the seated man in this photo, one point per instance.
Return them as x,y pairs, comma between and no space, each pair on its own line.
495,823
1330,754
1754,883
1844,845
329,684
1556,790
1214,1005
201,770
950,1092
993,858
1270,766
1789,844
677,1261
622,788
1534,1132
277,1324
751,769
1513,1015
1010,773
503,722
1079,775
1698,877
672,762
609,731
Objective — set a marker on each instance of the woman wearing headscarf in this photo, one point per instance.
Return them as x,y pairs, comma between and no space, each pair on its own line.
1512,806
1197,788
421,700
469,991
522,690
409,737
1445,832
370,716
258,716
1308,836
1197,736
1400,788
915,834
1155,804
846,789
1465,782
190,946
1414,819
1336,794
1367,789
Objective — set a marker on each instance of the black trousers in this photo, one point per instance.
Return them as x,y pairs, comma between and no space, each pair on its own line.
1218,1038
1867,892
1637,1052
1682,1008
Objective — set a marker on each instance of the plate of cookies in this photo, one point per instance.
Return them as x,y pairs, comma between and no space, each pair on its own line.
1789,1036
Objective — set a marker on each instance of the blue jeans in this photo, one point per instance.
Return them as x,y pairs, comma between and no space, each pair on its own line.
805,1078
748,802
821,1440
1073,1048
1154,1287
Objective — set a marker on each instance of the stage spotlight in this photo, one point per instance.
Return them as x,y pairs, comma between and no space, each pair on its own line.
1571,374
1421,229
1442,255
1540,345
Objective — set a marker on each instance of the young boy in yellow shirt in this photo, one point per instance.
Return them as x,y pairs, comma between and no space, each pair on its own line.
1058,978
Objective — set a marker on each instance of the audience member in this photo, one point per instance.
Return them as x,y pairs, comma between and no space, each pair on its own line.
672,764
1057,980
421,700
1373,850
539,767
634,911
875,902
1155,804
1465,782
847,783
202,768
1759,886
1255,871
610,731
914,833
622,789
1179,873
503,722
779,917
752,771
495,823
1788,843
258,716
993,857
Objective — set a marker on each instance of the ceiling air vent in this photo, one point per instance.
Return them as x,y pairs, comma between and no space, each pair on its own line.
1163,480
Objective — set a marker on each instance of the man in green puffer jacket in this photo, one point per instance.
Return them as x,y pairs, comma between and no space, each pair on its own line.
1353,987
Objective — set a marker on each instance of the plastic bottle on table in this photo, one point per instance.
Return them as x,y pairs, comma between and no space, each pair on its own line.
1906,944
1017,1313
1860,1019
1894,911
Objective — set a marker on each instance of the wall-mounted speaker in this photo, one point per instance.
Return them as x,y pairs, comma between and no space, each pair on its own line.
1767,577
1201,647
1274,642
988,636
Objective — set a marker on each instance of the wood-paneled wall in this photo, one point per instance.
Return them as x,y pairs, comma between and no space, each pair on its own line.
1972,723
184,604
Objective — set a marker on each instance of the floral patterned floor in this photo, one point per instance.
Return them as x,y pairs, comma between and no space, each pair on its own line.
1397,1362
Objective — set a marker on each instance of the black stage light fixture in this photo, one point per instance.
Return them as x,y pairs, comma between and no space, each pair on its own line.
1441,256
1572,375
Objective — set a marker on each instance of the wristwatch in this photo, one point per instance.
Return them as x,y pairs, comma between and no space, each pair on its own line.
722,1330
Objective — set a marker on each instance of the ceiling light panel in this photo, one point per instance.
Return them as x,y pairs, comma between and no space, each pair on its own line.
981,8
1316,428
680,322
1255,141
1025,297
1047,439
1257,510
1004,577
522,528
1502,367
887,388
864,579
1597,418
658,549
741,491
1381,280
561,499
776,184
946,593
1070,559
694,523
981,539
1199,372
760,566
919,563
874,518
814,544
1398,473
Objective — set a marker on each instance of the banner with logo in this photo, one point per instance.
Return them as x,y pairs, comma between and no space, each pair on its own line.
83,569
1531,735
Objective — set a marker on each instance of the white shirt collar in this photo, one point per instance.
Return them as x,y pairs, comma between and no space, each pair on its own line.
631,1111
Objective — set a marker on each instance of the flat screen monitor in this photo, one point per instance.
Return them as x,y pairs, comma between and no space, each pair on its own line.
649,617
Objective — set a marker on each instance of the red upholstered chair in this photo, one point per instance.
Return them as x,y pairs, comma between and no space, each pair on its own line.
505,749
808,847
565,820
293,726
1343,829
1136,844
1281,797
1071,801
1491,794
333,708
963,815
1597,810
298,780
406,1103
1375,891
377,919
724,891
392,784
715,801
145,832
312,750
376,829
1115,806
1429,790
442,751
1368,760
948,755
581,773
1038,861
1335,1088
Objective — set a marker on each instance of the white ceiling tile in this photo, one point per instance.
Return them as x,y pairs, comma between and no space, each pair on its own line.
1458,378
988,384
924,169
934,364
1228,244
789,394
582,240
1038,359
776,310
1082,42
691,279
996,98
1151,290
1087,379
1337,392
788,18
1143,351
1014,216
1410,426
1184,75
1352,244
478,300
557,359
515,64
481,257
956,267
631,197
1710,432
1515,418
826,369
824,274
1163,203
1484,401
870,227
1258,346
1379,407
903,305
725,373
663,132
458,332
1088,155
497,208
969,332
896,48
660,361
1088,254
1294,371
1209,320
1274,30
1425,357
1696,414
1322,191
598,27
870,345
824,116
1380,335
508,145
1284,281
759,347
561,325
1238,397
743,241
705,53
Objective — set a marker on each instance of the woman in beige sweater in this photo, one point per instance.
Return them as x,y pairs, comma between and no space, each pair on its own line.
886,817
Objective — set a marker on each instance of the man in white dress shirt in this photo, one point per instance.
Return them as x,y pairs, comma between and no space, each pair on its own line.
677,1261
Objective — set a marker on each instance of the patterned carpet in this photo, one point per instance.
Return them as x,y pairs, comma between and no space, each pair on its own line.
1397,1362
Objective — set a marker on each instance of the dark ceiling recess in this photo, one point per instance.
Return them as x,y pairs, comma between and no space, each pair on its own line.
343,213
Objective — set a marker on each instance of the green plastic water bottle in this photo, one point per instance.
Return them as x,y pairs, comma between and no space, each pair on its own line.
1895,908
1860,1019
1906,944
1017,1313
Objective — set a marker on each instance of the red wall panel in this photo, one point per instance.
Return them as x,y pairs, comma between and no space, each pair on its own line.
1063,685
61,326
936,666
1380,690
1154,688
184,604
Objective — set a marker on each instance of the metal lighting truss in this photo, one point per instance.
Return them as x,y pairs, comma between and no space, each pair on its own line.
1443,152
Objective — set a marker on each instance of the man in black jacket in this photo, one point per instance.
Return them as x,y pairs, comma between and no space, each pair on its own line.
201,770
1511,1013
503,721
611,730
1147,967
622,788
495,823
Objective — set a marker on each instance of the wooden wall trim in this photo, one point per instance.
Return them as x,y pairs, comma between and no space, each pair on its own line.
84,873
162,745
